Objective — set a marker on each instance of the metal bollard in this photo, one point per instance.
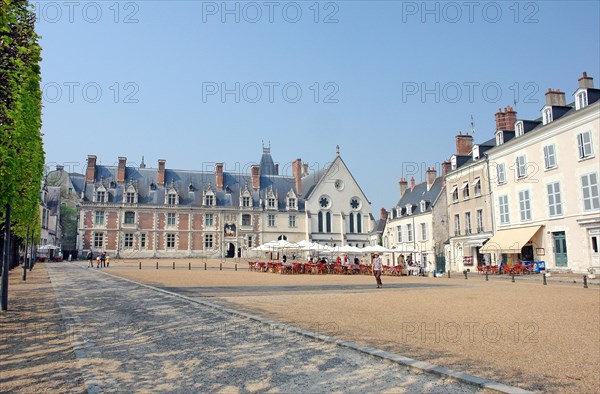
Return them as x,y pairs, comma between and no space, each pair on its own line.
585,286
486,276
545,283
236,267
513,277
173,265
448,274
220,266
465,272
190,266
157,265
140,265
204,266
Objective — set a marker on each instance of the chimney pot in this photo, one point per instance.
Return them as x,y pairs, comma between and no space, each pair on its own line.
555,98
586,82
121,170
255,176
464,144
219,176
383,214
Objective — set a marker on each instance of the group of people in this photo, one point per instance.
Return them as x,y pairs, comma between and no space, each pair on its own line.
102,260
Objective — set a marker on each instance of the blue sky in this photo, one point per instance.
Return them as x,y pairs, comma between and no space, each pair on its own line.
135,78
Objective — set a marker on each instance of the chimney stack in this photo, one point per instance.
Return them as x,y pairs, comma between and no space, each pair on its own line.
219,176
297,170
555,98
121,171
431,175
255,176
586,82
446,166
505,120
90,173
383,215
276,169
464,144
161,173
412,182
403,186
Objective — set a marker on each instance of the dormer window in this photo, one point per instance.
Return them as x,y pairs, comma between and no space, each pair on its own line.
453,162
423,206
547,115
100,194
409,209
246,201
172,199
271,203
292,203
518,129
131,195
476,152
499,138
581,100
209,199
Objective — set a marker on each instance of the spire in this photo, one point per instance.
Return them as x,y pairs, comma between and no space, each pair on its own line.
142,164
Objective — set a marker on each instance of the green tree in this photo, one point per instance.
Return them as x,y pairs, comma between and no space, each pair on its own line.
68,224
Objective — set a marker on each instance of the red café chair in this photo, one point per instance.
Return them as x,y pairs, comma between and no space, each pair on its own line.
260,267
517,269
480,269
322,268
251,266
506,269
296,268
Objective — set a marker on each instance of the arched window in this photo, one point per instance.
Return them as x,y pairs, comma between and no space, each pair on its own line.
359,223
351,222
328,221
320,217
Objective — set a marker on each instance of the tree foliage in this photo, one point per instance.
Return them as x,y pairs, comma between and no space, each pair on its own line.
21,148
68,224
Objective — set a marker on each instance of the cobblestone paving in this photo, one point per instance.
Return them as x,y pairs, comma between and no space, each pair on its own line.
131,338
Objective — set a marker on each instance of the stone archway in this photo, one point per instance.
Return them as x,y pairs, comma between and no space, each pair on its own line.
230,250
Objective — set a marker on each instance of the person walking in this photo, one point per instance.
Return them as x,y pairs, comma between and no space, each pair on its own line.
107,261
377,267
98,261
90,256
103,259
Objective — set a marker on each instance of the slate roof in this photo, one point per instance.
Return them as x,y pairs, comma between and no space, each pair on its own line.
418,193
379,226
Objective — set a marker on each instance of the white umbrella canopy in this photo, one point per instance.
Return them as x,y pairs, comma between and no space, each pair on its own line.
349,249
283,244
376,249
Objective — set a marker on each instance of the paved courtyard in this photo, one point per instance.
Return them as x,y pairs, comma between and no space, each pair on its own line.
127,337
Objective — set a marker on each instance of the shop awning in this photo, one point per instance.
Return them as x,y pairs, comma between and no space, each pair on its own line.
453,189
510,241
465,184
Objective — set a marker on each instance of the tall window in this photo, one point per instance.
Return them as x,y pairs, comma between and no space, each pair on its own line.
501,173
399,229
208,241
209,220
271,202
589,186
328,222
271,221
172,199
584,141
521,167
170,241
320,221
549,156
143,240
409,231
250,243
467,222
292,203
99,219
480,220
130,197
455,193
456,225
128,241
465,190
171,219
554,199
351,220
210,200
524,205
98,240
477,187
423,231
503,206
246,220
292,221
359,223
129,217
